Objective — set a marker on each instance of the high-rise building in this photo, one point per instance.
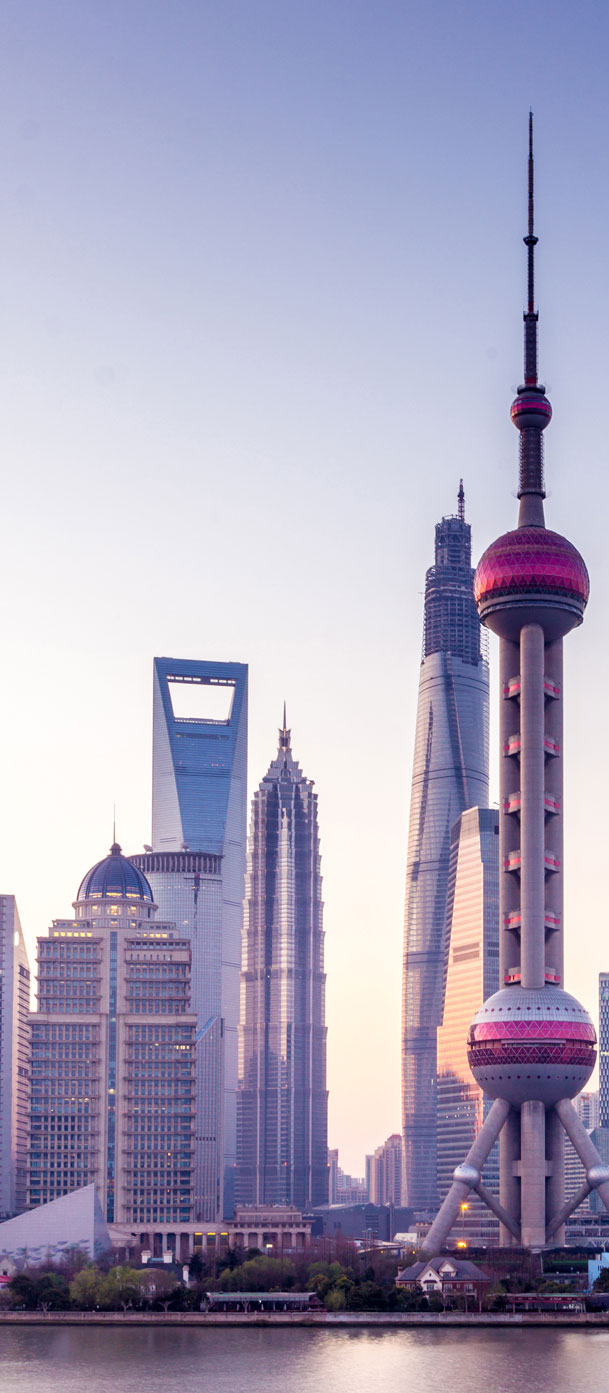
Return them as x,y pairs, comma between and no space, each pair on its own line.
197,870
333,1169
189,886
113,1054
385,1181
603,1049
531,1046
282,1100
587,1108
14,1060
472,975
450,774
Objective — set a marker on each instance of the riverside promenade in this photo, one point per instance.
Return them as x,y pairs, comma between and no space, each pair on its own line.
326,1320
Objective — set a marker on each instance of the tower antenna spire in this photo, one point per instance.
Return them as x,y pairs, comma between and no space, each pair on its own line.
531,411
530,316
461,502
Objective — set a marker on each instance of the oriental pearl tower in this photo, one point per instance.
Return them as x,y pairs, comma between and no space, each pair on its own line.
531,1046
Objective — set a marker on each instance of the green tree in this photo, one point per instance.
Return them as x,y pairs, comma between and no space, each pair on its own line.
24,1291
258,1274
367,1296
323,1276
85,1289
197,1268
53,1292
120,1289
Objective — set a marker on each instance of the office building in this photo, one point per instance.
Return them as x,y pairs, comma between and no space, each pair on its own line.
385,1176
196,869
14,1060
450,774
587,1108
472,975
282,1100
532,1046
112,1101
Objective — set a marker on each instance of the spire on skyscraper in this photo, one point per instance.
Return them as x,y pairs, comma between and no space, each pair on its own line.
284,733
461,502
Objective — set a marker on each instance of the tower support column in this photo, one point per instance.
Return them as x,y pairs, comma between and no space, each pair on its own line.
533,1173
532,833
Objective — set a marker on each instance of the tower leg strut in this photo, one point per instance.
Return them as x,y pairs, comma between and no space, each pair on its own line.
597,1173
467,1177
497,1209
567,1210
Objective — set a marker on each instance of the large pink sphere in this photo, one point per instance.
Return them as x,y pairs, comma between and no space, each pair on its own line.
526,1044
529,576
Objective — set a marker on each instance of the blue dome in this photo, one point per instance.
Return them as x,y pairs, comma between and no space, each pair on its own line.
115,878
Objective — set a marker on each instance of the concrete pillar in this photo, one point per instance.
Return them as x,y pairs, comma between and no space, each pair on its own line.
554,822
532,832
555,1188
533,1174
509,829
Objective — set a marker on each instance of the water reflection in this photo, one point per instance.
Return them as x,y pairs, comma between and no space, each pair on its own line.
160,1360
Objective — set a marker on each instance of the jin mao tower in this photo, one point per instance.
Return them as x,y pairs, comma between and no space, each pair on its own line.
531,1046
282,1103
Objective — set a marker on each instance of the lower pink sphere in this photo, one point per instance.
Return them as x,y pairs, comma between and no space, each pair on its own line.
532,1045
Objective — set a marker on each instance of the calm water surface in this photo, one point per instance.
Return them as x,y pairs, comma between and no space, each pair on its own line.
301,1361
36,1360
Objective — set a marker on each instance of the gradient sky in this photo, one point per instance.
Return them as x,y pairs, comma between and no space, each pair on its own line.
261,294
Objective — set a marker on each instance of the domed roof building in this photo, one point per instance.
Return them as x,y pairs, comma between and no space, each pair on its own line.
115,878
113,1007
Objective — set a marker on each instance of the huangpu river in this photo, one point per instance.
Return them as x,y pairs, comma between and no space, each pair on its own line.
194,1360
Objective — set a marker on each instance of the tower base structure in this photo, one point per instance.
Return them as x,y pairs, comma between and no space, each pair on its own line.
537,1225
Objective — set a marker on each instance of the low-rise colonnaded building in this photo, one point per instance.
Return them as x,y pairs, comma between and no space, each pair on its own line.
275,1230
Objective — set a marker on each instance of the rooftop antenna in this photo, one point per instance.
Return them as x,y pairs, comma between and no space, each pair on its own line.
531,411
461,502
284,734
530,316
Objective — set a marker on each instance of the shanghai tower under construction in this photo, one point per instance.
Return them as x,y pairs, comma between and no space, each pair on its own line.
450,774
531,1046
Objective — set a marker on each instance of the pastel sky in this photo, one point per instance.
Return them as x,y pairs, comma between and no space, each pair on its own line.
261,292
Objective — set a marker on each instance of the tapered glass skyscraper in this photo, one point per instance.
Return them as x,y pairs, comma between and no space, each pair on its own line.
282,1103
450,774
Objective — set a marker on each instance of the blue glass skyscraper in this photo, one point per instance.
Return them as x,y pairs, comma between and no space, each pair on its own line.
196,870
450,774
